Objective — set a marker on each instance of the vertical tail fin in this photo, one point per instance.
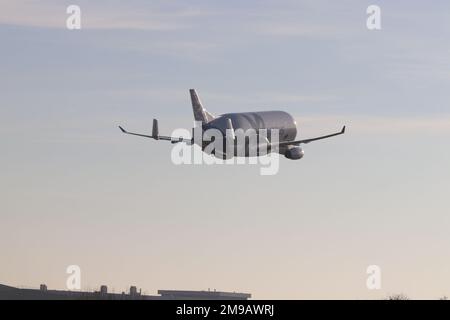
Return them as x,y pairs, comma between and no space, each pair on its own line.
200,113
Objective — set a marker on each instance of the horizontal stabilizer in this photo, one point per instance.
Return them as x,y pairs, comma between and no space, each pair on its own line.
155,135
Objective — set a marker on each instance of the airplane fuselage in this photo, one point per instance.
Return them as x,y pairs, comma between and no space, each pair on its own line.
263,132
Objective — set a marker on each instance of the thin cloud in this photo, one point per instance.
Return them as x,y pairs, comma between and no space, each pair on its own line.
266,98
94,16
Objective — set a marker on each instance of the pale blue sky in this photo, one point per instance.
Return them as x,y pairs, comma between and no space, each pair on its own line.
76,191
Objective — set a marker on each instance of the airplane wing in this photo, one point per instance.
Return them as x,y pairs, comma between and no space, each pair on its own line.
155,135
297,142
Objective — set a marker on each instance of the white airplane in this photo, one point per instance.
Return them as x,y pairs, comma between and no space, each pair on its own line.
271,122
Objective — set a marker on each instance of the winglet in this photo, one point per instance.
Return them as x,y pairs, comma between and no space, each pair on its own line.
155,131
343,129
122,129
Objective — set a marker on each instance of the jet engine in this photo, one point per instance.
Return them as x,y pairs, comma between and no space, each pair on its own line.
294,153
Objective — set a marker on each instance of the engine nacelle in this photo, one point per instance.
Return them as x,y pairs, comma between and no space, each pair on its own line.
294,153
